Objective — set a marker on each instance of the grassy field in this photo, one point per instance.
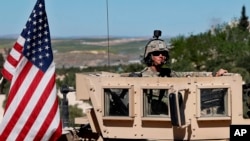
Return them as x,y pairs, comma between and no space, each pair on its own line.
91,51
115,45
6,43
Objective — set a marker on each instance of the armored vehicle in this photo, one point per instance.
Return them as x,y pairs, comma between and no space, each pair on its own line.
196,107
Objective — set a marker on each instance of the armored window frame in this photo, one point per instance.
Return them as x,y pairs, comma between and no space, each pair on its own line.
226,98
130,92
144,109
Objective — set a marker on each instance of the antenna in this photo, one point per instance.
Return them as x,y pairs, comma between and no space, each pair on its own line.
107,9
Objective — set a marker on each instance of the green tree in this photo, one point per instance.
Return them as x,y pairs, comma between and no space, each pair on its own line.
224,47
243,23
74,112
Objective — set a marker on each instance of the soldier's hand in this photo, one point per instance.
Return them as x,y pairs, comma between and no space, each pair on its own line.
221,72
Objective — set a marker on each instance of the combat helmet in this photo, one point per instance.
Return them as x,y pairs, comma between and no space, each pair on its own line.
155,44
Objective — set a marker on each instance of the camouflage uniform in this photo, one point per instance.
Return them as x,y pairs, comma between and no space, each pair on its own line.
156,45
148,72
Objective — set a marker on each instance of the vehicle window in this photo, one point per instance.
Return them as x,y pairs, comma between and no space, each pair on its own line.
155,102
213,102
116,102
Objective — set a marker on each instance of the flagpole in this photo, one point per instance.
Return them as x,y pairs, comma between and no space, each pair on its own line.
108,30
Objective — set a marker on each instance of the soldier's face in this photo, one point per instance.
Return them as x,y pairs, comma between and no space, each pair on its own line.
158,58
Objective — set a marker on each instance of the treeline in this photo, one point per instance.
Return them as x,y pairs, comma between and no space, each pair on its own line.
225,46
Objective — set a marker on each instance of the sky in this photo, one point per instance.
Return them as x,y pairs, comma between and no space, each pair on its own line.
131,18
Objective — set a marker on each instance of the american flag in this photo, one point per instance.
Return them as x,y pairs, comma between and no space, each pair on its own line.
32,109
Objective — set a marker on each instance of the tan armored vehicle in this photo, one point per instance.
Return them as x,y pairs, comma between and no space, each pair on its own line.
196,106
157,108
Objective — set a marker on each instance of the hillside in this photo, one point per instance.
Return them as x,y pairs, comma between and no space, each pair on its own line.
84,52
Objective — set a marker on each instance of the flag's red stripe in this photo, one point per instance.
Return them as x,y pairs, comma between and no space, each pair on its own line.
56,135
12,61
17,84
23,103
47,121
30,121
18,47
6,74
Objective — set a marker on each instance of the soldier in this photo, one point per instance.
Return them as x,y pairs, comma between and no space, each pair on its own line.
156,56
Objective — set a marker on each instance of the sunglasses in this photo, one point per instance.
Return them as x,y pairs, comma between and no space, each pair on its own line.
157,53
